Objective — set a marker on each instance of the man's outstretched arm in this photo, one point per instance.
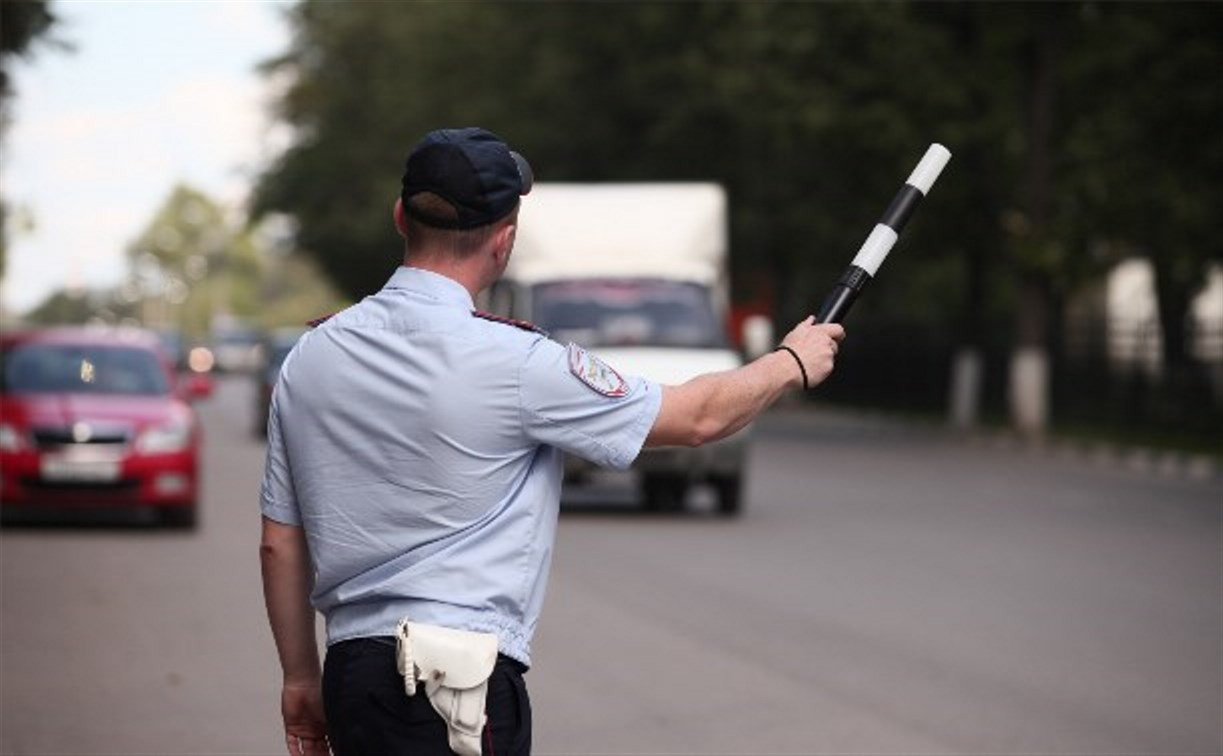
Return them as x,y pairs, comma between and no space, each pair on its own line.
287,582
715,405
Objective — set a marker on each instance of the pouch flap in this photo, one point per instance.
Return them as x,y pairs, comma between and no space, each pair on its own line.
454,658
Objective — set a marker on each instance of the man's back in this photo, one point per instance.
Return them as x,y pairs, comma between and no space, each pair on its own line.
419,447
401,418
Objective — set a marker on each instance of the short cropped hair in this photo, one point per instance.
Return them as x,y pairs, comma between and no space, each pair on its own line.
458,243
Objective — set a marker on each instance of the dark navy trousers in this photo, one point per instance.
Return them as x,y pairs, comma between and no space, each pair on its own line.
369,714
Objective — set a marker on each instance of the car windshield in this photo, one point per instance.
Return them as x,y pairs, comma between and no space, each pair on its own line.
82,369
603,313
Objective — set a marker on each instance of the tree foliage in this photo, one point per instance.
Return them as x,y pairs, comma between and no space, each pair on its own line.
190,263
83,307
606,91
1143,153
22,23
195,261
1078,129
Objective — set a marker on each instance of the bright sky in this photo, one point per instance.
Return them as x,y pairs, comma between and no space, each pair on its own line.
154,93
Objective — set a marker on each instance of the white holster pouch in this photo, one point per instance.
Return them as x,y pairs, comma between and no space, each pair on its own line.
454,666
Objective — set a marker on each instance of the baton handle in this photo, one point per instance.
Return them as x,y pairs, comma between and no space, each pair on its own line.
836,305
877,245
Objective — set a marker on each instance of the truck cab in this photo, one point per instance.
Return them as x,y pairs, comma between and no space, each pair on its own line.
637,274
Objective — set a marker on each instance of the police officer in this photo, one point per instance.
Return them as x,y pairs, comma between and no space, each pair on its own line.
414,468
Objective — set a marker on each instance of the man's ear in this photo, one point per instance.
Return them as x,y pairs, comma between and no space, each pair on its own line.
401,221
504,241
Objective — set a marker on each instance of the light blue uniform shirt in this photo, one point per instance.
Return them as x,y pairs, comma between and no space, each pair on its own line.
419,446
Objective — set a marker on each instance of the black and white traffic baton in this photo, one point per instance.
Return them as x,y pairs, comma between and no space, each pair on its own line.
879,243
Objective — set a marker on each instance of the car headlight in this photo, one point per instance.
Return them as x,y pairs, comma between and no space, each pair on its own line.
162,439
10,438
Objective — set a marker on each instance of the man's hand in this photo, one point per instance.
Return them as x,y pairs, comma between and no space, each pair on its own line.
816,345
301,705
287,579
714,405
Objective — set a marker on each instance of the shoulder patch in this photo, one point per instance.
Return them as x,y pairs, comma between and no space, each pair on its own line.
596,373
524,325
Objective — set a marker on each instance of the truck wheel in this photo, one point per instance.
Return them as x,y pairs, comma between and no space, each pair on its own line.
729,492
664,493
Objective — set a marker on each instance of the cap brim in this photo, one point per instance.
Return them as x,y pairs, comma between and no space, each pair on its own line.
524,172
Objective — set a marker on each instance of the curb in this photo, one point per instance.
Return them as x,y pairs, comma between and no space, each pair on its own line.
1164,463
1141,460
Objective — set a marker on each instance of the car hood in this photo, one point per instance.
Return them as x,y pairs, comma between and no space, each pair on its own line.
668,365
126,413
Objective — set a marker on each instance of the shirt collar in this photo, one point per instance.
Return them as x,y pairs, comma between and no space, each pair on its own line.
430,285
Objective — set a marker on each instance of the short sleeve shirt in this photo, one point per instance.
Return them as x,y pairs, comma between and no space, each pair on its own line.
420,445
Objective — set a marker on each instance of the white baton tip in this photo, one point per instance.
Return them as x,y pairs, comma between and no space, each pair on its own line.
929,168
875,249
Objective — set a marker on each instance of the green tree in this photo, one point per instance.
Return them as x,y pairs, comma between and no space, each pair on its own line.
84,307
1144,154
809,114
757,96
1089,132
22,23
191,263
197,260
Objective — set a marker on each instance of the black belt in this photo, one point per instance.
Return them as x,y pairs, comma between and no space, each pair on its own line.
391,641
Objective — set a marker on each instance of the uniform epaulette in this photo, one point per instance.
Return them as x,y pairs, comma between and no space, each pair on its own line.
319,321
524,325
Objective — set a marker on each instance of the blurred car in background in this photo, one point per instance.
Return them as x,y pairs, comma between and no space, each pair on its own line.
235,348
183,354
96,425
276,346
174,345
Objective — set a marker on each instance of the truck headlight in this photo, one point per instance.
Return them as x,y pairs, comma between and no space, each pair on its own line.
163,439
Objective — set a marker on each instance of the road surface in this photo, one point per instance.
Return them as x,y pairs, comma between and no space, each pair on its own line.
887,590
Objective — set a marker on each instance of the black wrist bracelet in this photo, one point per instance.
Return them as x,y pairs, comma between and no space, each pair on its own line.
803,370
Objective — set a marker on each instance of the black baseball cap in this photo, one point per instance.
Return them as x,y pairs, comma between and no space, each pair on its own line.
471,169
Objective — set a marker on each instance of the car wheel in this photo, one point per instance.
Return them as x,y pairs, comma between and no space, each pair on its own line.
181,518
664,492
729,492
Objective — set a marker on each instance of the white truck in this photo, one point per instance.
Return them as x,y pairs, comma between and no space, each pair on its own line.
636,273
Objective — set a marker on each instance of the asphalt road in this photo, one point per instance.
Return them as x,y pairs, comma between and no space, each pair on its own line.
888,590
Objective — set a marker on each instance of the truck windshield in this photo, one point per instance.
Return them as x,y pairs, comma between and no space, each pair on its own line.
603,313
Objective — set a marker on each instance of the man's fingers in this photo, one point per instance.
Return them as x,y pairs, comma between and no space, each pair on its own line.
317,748
304,745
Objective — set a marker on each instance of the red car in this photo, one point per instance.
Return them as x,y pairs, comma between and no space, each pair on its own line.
96,423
